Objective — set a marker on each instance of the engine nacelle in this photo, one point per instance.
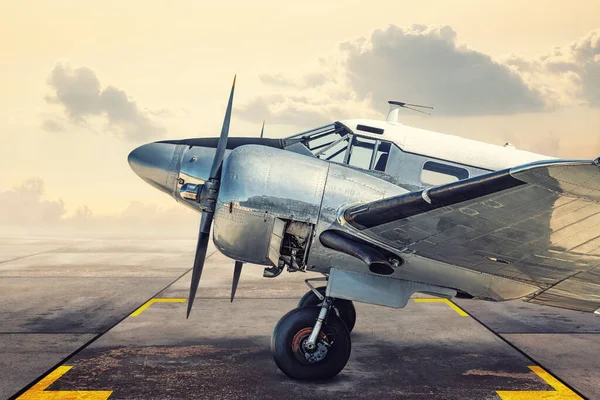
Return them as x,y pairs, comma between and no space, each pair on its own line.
269,203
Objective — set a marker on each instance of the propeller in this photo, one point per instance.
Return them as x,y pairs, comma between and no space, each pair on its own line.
206,196
237,271
262,131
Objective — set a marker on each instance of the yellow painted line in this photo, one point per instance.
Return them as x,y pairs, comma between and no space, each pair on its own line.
456,308
156,300
560,392
39,392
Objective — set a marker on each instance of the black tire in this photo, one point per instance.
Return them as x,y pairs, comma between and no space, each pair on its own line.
298,322
343,308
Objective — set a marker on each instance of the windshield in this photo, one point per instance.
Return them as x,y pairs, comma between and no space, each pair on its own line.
327,142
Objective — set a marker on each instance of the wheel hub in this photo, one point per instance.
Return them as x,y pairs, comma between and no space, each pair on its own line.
302,350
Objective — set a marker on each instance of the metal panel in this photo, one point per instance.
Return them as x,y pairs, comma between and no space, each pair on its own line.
537,235
344,185
242,234
255,191
375,289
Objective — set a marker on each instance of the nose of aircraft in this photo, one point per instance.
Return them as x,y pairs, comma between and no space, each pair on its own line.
153,163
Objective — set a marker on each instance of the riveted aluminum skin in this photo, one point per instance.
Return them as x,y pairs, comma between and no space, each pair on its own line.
345,186
194,169
258,185
158,164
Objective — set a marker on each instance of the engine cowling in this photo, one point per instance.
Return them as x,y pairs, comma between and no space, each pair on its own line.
269,202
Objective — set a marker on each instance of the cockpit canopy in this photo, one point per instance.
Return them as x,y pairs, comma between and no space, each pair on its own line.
337,143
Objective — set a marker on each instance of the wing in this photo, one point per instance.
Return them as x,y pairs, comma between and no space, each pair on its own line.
538,223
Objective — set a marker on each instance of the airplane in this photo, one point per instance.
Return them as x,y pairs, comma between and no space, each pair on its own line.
383,210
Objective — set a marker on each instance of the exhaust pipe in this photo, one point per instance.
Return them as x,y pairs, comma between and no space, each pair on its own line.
373,258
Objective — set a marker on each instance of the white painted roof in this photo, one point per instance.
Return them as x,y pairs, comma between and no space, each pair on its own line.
447,147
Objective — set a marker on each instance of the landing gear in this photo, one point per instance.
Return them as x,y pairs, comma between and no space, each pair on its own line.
343,308
311,343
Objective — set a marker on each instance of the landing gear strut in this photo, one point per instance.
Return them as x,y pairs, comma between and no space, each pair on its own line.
311,343
343,308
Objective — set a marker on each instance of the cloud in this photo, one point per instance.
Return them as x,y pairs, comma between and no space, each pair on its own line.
293,110
314,79
312,99
80,93
306,81
23,205
277,80
570,74
419,64
426,65
52,126
28,210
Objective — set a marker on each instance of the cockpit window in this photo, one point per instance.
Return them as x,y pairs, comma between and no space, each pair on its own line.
339,144
334,151
361,153
319,142
327,142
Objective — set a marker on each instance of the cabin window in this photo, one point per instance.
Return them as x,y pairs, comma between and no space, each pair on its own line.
435,173
361,153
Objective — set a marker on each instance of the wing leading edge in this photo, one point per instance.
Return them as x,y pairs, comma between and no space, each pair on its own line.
538,223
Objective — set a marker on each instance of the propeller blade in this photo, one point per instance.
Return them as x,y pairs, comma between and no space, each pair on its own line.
222,145
237,271
201,248
262,131
207,216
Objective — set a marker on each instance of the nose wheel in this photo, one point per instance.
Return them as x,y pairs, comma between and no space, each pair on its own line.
310,343
343,308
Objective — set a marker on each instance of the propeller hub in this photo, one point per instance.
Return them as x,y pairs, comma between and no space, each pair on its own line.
208,195
205,195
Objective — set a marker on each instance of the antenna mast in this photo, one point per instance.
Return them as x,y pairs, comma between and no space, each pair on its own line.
395,106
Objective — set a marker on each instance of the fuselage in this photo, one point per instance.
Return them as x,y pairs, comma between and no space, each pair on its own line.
278,195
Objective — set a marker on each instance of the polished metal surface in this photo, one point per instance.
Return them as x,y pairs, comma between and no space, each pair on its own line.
325,307
576,177
260,184
190,191
540,239
543,234
407,168
380,290
157,164
195,164
345,186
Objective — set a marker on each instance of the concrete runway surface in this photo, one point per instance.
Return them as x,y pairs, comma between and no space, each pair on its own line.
67,331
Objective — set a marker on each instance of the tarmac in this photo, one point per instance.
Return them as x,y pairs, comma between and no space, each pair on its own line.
105,318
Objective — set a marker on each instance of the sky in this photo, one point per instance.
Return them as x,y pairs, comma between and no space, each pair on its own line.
83,83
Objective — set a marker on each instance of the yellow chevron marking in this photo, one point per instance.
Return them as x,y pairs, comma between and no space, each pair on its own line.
156,300
39,392
456,308
560,392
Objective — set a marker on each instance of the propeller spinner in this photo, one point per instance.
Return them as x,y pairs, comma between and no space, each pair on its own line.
207,195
